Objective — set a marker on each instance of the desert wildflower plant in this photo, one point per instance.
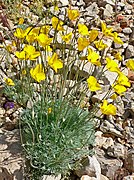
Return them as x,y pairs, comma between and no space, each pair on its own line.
49,80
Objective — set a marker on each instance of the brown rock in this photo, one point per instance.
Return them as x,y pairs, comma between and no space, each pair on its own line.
130,161
5,175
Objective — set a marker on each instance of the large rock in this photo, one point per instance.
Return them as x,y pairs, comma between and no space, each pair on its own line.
129,52
109,166
11,161
130,161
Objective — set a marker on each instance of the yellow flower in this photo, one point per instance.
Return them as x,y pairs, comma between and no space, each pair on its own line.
38,73
112,65
93,35
45,29
21,20
23,72
130,64
119,89
57,24
116,38
32,34
118,56
56,8
9,82
55,63
67,37
20,33
73,14
82,43
31,52
108,109
106,31
28,52
123,80
49,110
92,84
93,57
114,96
20,55
100,45
83,30
44,40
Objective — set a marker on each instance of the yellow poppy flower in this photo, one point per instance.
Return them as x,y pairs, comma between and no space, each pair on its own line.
130,64
116,38
20,55
31,52
92,84
112,65
9,82
100,45
93,57
114,96
107,31
57,24
32,34
73,14
93,35
55,63
82,43
67,37
83,30
108,109
37,73
118,56
20,33
49,110
119,89
44,40
21,20
45,29
123,80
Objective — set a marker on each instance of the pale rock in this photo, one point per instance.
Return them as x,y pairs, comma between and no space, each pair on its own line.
121,4
130,161
125,45
130,177
64,2
108,166
90,167
117,151
10,157
2,111
108,143
80,3
86,177
30,103
102,177
49,177
107,127
108,11
110,76
127,30
111,2
129,52
94,164
132,35
101,141
92,10
130,2
117,46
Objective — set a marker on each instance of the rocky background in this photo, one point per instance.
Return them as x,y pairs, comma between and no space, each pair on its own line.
114,143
